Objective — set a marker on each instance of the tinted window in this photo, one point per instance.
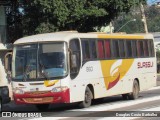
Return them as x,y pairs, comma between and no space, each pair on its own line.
140,49
115,48
121,48
145,45
93,52
134,48
151,48
128,48
107,49
100,49
85,49
75,50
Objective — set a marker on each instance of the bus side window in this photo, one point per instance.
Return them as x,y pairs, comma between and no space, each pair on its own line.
145,45
140,48
93,49
75,51
115,48
151,48
121,48
85,50
134,48
129,48
107,49
100,45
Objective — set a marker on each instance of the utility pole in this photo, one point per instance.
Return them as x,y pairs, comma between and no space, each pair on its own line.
143,18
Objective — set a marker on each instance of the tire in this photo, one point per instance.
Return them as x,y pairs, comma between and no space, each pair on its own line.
135,91
42,107
87,99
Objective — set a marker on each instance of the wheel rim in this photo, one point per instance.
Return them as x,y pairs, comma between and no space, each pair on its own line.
87,97
135,90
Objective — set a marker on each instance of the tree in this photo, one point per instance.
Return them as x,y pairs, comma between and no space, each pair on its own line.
42,16
132,26
152,17
14,20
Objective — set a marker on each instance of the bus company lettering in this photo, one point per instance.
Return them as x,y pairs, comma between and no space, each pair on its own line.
144,64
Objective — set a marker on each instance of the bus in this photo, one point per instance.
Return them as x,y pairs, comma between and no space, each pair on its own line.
68,67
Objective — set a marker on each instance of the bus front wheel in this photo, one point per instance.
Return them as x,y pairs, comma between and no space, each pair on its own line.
135,91
87,98
42,107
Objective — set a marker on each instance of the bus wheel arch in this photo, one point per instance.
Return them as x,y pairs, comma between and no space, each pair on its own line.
88,96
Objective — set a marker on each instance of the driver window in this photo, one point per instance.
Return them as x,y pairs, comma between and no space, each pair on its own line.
75,50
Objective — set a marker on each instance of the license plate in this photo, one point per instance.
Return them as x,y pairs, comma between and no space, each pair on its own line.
37,99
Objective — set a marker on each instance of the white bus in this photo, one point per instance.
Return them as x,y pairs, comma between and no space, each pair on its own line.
67,67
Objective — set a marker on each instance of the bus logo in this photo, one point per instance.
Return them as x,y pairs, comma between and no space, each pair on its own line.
114,70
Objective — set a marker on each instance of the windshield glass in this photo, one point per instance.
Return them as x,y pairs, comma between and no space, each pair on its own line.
39,61
52,60
24,61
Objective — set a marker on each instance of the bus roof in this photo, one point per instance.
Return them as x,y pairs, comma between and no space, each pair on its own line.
66,36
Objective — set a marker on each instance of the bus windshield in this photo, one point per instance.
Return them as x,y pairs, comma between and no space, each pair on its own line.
39,61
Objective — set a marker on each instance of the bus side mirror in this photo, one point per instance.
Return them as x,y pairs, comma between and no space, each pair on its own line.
73,61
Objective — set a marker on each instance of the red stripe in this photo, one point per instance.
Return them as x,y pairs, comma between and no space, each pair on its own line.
112,84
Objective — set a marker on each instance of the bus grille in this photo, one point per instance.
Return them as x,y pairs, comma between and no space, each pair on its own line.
38,93
38,100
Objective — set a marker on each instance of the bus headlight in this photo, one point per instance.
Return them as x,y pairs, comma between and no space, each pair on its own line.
59,89
18,91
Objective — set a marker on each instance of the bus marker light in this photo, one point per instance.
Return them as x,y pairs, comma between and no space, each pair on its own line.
18,91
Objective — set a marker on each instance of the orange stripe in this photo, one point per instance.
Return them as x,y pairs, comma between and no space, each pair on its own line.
121,36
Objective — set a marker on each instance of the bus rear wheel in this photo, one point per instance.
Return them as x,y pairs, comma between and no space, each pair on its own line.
87,99
42,107
135,91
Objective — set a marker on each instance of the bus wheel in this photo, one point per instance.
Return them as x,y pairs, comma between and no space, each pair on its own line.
87,100
42,107
135,92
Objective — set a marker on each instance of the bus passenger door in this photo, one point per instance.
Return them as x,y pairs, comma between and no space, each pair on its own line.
75,63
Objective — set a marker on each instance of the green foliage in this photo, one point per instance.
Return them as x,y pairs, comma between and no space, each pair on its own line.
127,25
152,17
42,16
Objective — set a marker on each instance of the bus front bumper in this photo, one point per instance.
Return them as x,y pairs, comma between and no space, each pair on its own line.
42,97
